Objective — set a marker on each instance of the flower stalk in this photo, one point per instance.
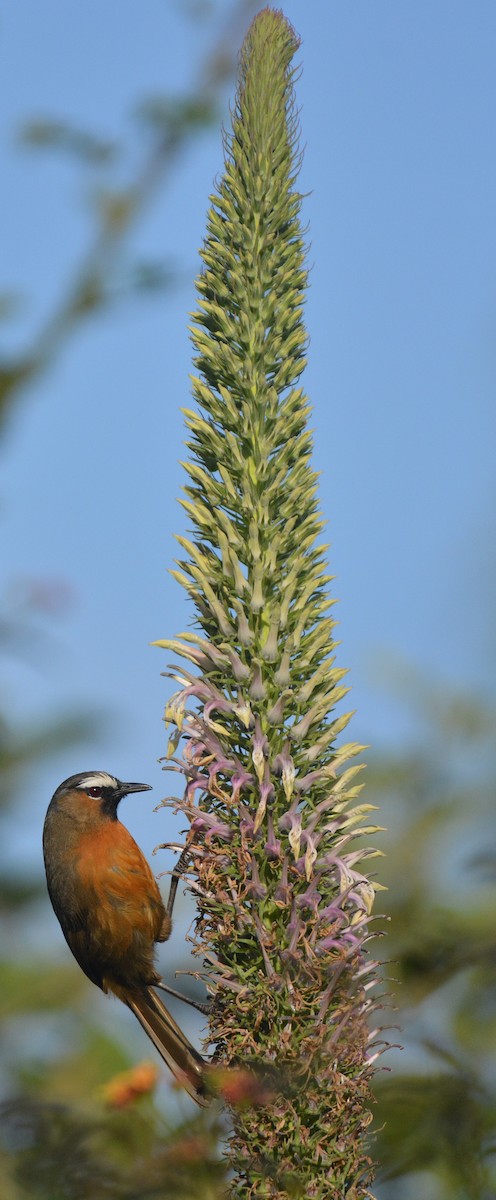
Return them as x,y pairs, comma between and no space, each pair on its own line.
276,836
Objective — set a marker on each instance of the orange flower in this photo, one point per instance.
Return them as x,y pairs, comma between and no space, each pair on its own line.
127,1087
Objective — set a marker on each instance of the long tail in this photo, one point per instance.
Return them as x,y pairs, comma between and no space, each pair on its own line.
186,1064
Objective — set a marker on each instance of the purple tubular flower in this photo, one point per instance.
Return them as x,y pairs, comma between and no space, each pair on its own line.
217,704
246,823
210,826
241,780
309,899
295,928
257,686
272,846
256,889
336,943
282,893
288,819
200,782
283,765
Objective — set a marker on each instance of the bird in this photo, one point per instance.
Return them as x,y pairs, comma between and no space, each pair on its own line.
111,912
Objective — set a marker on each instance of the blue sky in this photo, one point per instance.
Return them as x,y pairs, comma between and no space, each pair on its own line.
397,112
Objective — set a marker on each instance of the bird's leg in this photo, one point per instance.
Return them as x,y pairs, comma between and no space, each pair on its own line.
202,1007
176,876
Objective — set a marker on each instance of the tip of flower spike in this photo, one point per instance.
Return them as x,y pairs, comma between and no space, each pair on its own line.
272,19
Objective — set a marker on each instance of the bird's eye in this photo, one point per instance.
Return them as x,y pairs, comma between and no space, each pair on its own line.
95,792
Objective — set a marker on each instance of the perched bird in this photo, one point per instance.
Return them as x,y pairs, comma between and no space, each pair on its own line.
111,911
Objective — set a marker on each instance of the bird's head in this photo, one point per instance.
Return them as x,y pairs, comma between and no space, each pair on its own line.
96,788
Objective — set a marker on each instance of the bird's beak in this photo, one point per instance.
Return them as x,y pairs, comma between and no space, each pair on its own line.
126,788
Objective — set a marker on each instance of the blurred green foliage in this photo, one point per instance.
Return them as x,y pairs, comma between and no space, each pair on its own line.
53,1152
436,1101
436,1111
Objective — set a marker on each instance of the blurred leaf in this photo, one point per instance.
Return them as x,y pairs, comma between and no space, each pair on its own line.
430,945
45,133
16,891
10,303
54,1152
441,1121
172,118
13,376
78,1074
54,1156
485,863
442,944
19,749
453,712
36,987
153,276
474,1022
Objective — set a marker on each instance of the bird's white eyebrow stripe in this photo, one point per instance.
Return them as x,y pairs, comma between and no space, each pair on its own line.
100,780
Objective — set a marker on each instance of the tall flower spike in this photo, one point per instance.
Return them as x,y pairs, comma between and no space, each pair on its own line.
283,905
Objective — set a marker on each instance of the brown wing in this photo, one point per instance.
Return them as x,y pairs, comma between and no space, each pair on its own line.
124,913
